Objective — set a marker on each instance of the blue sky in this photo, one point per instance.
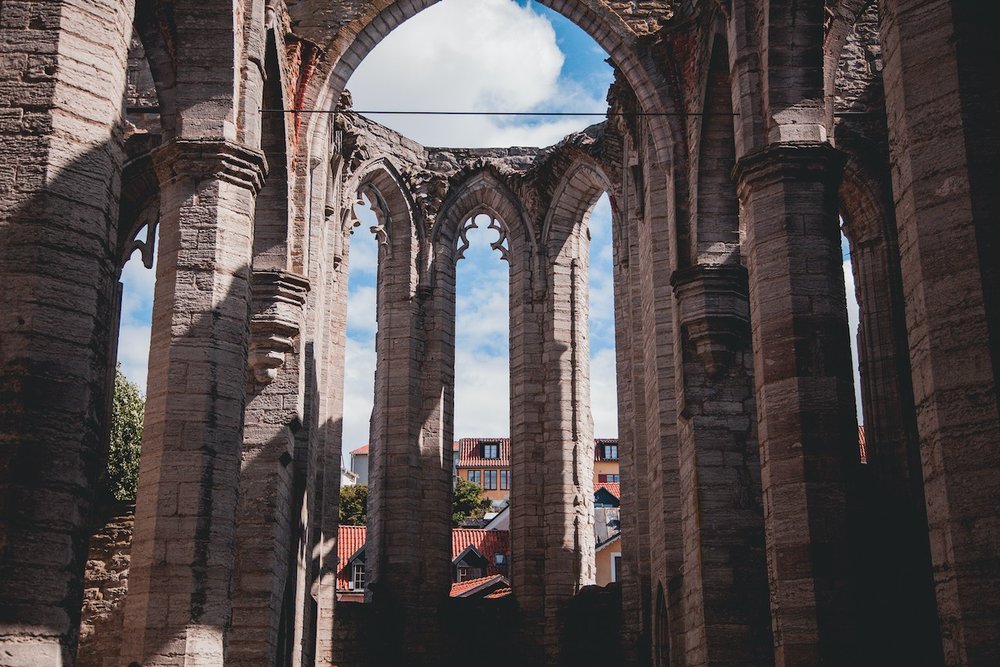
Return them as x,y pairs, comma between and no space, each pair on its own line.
463,55
512,56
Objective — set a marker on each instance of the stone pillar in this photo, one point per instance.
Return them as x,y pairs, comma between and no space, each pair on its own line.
725,570
942,99
62,77
805,400
178,608
267,516
635,582
568,443
408,564
657,371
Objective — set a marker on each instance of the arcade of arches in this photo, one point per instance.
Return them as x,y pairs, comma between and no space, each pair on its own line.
743,137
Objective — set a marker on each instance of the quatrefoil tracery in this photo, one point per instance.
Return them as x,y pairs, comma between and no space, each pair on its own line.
501,244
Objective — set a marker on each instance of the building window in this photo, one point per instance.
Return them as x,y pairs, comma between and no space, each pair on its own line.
614,479
610,452
475,476
491,450
616,564
468,573
504,480
358,577
490,480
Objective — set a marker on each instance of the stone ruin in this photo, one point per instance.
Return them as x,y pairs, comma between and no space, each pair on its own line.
743,136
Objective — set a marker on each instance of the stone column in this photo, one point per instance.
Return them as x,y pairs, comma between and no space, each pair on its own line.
941,101
178,608
62,76
268,501
408,562
568,443
657,372
805,400
635,582
725,585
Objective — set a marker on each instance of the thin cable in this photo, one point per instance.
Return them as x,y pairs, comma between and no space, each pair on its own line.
497,113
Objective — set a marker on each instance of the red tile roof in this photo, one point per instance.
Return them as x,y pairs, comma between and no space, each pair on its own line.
614,488
599,448
862,443
349,540
363,449
487,542
464,588
470,453
498,593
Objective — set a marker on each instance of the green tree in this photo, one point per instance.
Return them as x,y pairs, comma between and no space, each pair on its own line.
126,439
468,502
354,505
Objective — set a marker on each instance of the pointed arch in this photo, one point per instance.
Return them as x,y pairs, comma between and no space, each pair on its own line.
573,200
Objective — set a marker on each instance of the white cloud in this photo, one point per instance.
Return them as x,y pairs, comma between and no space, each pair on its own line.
488,55
359,391
604,394
361,312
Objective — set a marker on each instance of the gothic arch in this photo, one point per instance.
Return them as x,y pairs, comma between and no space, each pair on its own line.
360,33
574,198
483,191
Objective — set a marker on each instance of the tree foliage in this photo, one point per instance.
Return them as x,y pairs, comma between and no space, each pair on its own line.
468,502
353,505
126,439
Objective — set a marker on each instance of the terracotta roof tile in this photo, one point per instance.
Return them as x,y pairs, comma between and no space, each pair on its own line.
470,453
363,449
349,540
862,443
614,488
459,589
487,542
498,593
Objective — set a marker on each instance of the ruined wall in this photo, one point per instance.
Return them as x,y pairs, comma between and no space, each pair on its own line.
104,587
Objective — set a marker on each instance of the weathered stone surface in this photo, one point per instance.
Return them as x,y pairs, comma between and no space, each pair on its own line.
735,403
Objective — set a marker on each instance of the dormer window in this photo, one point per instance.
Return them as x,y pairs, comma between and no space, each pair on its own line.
491,450
358,577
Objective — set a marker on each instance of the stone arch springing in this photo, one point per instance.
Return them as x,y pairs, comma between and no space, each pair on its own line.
716,237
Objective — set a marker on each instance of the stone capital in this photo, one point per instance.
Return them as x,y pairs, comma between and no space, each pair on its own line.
278,301
801,162
714,312
203,159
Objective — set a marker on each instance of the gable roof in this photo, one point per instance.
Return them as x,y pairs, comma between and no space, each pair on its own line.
487,542
351,539
472,587
614,488
470,453
360,451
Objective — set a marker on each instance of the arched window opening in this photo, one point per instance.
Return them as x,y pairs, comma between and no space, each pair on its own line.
853,323
526,57
604,394
137,284
360,354
482,359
